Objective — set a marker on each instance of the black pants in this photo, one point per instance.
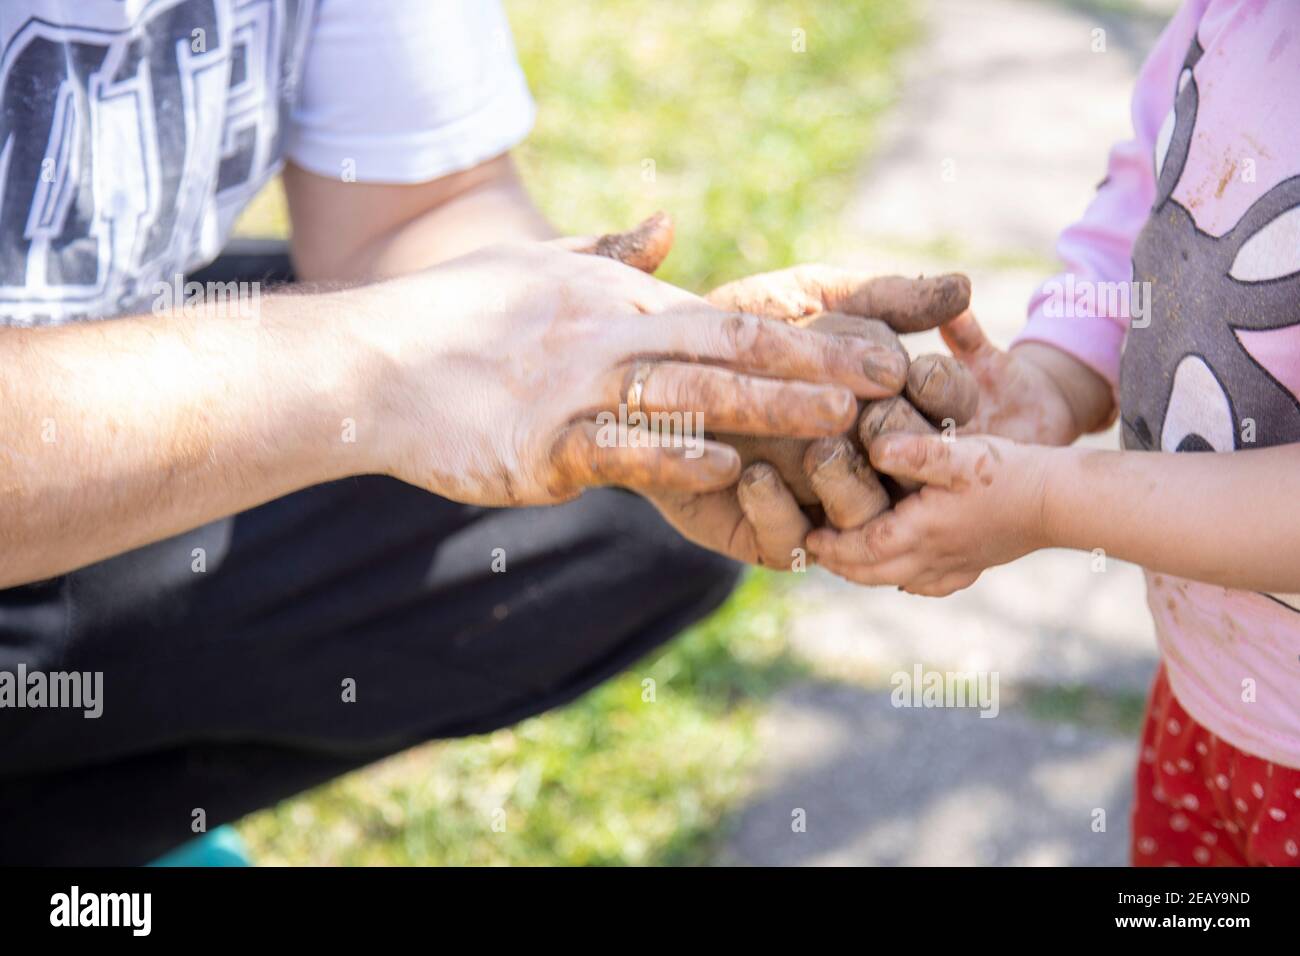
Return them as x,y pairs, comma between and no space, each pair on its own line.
225,689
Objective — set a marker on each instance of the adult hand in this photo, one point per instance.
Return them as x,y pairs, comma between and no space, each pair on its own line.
801,292
490,373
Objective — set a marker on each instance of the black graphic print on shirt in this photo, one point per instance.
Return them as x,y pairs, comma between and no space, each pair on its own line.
128,144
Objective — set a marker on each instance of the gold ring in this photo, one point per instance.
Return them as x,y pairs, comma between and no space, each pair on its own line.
634,390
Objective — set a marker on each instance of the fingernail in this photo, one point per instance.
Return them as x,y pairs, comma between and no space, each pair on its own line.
956,292
720,462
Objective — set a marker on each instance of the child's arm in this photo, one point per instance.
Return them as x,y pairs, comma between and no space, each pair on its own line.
1225,519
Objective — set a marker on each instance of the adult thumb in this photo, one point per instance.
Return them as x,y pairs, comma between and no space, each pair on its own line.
643,247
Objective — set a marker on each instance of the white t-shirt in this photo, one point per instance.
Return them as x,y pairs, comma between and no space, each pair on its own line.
132,132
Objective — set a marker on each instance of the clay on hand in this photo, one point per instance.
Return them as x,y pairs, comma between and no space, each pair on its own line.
939,390
789,484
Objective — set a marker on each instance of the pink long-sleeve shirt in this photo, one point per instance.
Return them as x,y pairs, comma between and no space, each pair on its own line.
1182,288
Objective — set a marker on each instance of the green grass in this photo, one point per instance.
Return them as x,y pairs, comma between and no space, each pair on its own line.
755,147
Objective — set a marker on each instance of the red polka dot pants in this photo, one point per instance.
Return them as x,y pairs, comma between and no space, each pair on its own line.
1202,802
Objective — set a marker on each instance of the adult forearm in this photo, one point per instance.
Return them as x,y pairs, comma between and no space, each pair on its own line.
366,231
498,211
115,434
1226,519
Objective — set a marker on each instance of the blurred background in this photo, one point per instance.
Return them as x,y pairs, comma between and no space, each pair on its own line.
895,135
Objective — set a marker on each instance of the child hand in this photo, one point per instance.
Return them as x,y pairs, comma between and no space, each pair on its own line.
981,504
1032,393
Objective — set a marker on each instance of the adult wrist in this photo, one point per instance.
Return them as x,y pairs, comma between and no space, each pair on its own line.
345,382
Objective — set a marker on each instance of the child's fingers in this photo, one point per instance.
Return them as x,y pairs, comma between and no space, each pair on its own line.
887,417
643,247
941,585
849,491
965,338
880,541
922,459
891,574
779,524
942,389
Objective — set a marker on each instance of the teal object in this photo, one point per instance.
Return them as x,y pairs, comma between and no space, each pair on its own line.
221,847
